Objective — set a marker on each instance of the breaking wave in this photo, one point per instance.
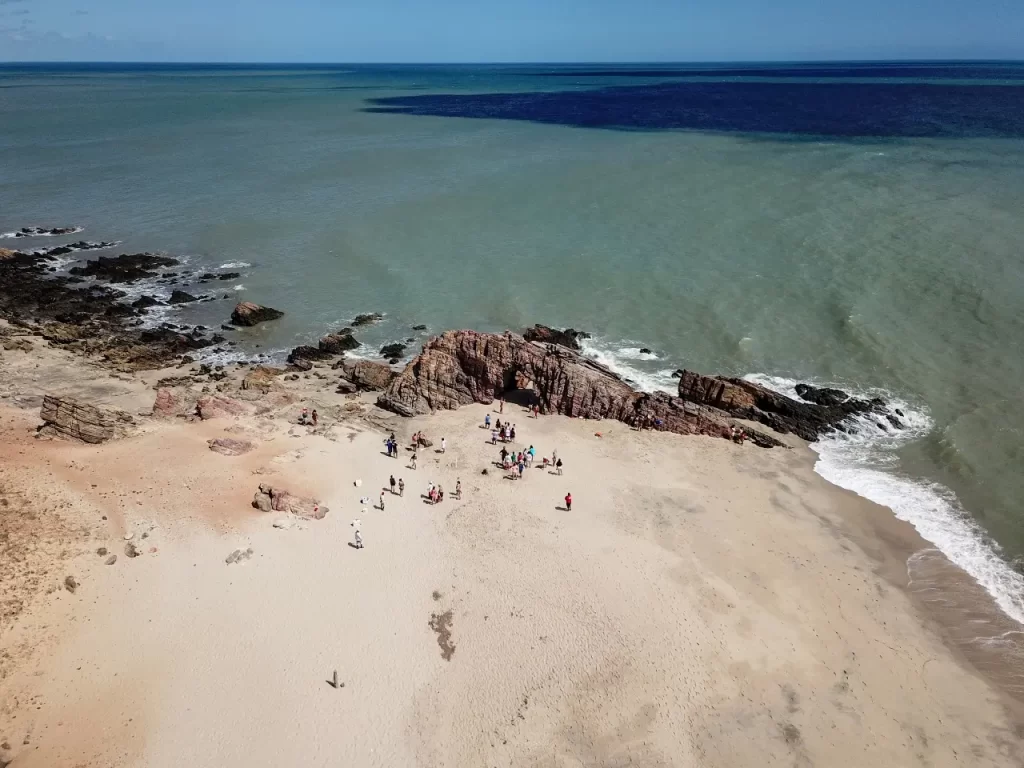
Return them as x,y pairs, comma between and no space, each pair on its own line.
866,463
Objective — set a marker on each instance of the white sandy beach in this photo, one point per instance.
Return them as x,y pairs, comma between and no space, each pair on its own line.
703,604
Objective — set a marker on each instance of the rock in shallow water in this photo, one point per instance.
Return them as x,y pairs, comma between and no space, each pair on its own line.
248,314
570,337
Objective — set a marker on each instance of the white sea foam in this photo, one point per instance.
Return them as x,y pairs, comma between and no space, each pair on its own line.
866,463
235,265
239,287
618,358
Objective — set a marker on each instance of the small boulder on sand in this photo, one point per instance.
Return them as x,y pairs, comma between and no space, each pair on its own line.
229,446
267,499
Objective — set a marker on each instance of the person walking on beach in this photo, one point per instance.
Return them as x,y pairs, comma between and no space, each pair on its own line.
401,487
512,433
304,416
554,456
494,437
314,417
487,421
356,525
381,499
444,445
558,466
412,464
458,489
568,502
501,405
392,482
440,494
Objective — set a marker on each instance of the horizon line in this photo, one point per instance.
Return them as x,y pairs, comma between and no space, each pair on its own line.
660,62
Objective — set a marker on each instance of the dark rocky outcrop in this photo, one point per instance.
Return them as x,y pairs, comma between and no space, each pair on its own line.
306,353
338,342
70,417
568,338
126,268
46,231
367,318
393,352
747,400
248,314
821,395
180,297
145,302
419,327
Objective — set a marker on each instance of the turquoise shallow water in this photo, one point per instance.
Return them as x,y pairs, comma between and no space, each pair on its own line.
852,226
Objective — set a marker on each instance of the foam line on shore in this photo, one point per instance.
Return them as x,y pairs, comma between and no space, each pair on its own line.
867,464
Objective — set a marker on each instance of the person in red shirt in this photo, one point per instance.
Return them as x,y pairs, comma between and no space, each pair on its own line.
568,502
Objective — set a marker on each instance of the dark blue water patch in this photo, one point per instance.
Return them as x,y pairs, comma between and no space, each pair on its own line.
996,70
833,109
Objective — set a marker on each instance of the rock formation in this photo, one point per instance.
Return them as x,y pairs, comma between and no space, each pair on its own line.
249,314
747,400
338,342
126,268
570,337
214,407
368,375
69,417
267,499
368,318
462,367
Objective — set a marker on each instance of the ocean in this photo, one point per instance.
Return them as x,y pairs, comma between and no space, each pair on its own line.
856,225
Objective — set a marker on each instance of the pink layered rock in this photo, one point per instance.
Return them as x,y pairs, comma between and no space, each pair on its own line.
169,404
213,407
462,367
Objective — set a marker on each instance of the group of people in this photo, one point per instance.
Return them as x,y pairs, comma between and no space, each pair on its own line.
517,462
306,418
505,432
436,493
401,486
738,435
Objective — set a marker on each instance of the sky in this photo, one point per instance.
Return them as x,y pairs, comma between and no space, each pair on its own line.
422,31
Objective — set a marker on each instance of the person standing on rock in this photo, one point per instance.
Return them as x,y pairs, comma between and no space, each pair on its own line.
401,487
568,502
392,482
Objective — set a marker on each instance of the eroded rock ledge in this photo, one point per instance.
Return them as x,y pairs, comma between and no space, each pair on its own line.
462,367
